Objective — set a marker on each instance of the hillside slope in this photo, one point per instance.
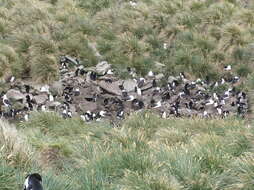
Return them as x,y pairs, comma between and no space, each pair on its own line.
197,37
143,152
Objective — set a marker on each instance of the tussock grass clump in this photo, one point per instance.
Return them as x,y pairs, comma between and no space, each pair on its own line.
39,34
14,148
142,152
7,176
53,182
199,38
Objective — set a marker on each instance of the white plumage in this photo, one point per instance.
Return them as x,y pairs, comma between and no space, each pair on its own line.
164,115
150,74
6,101
26,117
139,92
132,3
51,98
12,79
227,68
165,46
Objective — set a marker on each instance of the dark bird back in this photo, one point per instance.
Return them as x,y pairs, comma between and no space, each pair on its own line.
33,182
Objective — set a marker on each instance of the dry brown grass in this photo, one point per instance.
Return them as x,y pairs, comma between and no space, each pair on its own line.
13,145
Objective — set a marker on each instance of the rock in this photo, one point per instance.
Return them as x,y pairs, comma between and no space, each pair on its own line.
68,82
186,112
56,88
111,78
5,109
112,88
148,86
88,79
15,95
72,108
102,67
18,106
80,80
41,99
71,60
159,76
53,105
171,79
41,88
64,71
85,106
201,88
89,91
129,85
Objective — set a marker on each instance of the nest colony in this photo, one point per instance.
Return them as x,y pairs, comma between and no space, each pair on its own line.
96,93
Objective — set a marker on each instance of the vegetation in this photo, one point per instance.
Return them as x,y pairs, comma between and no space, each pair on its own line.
201,36
143,152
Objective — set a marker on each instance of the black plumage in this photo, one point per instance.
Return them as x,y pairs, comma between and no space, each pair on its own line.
33,182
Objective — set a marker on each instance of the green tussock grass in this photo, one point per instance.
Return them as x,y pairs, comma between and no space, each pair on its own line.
143,152
201,36
41,33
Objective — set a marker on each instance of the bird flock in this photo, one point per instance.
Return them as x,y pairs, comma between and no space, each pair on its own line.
94,93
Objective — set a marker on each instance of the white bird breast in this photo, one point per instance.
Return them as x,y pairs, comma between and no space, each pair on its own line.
26,183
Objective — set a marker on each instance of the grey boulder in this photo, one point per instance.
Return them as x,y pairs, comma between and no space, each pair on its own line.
159,76
15,95
41,99
102,67
171,79
129,85
56,88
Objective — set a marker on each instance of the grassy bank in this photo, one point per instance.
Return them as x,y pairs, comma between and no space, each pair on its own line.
143,152
201,37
